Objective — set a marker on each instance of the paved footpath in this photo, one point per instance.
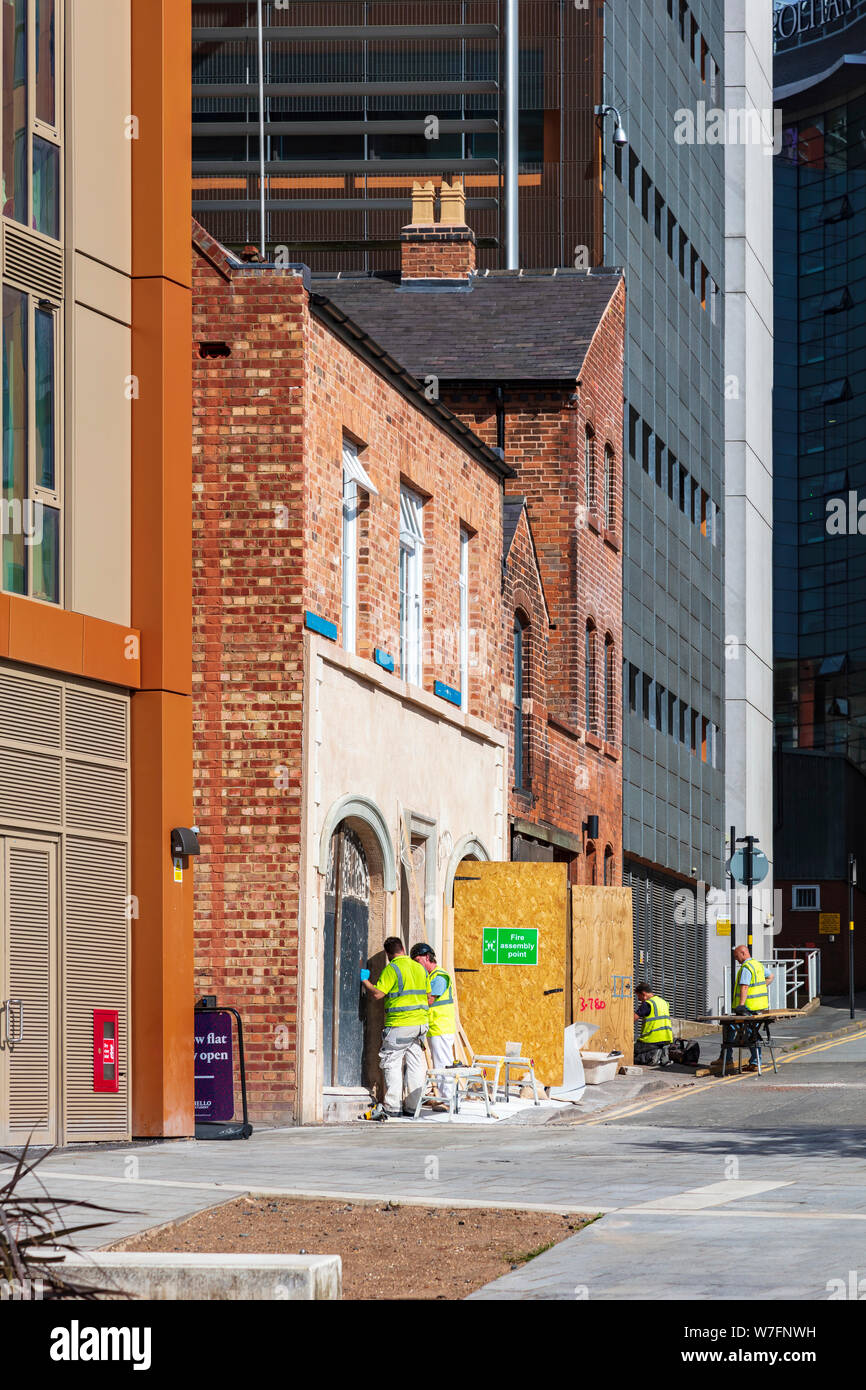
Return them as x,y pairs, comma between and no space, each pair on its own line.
766,1173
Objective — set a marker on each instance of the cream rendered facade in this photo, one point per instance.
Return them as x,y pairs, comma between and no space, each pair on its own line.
451,792
748,466
65,819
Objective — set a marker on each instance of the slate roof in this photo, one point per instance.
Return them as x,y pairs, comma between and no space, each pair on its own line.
505,326
512,510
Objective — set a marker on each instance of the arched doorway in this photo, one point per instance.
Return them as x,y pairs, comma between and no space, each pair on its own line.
347,932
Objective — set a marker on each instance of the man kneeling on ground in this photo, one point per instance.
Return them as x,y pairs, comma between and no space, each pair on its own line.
657,1032
403,986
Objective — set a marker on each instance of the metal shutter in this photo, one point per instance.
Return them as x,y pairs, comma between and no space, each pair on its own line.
97,798
96,976
30,889
29,711
29,788
97,726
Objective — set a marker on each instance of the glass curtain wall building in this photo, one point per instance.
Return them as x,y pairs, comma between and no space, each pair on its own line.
664,222
820,393
362,97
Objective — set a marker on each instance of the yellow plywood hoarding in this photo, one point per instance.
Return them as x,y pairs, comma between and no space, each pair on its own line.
510,959
603,965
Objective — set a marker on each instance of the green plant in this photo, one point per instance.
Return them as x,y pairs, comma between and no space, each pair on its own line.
34,1237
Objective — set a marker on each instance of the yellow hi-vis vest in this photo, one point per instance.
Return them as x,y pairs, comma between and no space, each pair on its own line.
443,1019
758,997
657,1024
406,1000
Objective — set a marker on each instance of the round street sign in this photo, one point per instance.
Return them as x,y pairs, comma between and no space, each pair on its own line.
760,865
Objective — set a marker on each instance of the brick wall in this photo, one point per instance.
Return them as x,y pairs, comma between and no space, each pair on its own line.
577,772
398,443
437,252
248,472
269,422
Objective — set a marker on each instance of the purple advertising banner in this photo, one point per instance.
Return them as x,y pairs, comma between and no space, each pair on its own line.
214,1066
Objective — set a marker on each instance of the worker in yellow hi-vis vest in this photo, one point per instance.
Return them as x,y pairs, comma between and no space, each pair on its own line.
657,1032
403,986
750,995
443,1016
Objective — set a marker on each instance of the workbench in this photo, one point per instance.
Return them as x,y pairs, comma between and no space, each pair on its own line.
746,1030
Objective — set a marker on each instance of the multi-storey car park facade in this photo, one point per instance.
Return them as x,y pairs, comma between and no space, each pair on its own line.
362,98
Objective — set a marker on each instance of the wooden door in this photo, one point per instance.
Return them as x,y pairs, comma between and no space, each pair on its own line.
347,919
29,1045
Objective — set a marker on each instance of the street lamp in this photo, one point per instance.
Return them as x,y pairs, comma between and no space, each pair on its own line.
619,140
619,135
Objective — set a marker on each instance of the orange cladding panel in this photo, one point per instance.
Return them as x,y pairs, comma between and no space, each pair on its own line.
162,934
162,957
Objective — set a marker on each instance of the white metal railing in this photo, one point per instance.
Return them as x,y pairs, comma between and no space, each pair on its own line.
796,978
804,973
777,988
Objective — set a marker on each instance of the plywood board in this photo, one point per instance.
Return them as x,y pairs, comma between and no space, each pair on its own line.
603,966
509,1003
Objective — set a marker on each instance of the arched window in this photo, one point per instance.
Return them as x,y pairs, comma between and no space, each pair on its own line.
609,690
589,468
609,864
591,872
609,489
521,750
591,712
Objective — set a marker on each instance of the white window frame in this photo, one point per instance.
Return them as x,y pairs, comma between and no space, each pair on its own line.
809,888
411,586
34,494
350,564
38,129
463,592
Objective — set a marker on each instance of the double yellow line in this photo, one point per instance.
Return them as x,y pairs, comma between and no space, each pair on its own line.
640,1107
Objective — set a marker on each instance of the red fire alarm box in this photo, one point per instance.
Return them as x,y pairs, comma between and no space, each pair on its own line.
105,1062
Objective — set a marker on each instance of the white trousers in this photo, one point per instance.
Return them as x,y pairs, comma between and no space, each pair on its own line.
442,1054
402,1052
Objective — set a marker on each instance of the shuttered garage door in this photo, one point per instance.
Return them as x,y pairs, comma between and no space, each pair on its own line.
96,973
29,922
95,924
64,775
670,955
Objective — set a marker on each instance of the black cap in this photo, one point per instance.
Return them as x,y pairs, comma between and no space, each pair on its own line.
422,949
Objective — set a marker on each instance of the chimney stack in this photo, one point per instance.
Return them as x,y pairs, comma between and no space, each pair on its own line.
443,250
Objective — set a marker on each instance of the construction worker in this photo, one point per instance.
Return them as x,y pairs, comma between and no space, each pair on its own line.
750,995
443,1017
403,986
657,1032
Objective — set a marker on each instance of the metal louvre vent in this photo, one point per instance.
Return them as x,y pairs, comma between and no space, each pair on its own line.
96,725
28,906
29,788
670,955
33,263
96,972
96,798
29,711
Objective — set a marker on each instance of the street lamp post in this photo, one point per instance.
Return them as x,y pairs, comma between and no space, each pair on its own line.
619,139
852,879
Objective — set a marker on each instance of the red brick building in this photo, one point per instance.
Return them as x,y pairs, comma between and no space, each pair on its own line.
533,363
365,570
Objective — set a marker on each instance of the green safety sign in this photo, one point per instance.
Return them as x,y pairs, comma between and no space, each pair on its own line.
510,946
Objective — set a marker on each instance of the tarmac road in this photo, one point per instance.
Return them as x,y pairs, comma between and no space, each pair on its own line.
765,1176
